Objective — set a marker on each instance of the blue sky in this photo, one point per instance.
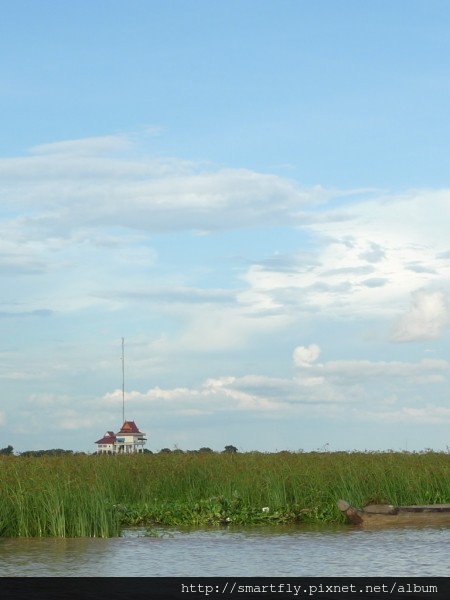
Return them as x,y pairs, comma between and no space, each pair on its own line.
254,195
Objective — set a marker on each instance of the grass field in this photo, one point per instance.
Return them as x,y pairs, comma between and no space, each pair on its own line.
84,495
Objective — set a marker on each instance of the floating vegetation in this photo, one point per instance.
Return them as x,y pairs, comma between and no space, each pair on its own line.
97,496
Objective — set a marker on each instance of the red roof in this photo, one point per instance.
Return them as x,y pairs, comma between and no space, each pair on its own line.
129,427
108,438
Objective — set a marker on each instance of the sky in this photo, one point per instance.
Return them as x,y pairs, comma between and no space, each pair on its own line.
254,195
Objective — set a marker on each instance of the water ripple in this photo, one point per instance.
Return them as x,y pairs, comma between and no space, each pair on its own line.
275,552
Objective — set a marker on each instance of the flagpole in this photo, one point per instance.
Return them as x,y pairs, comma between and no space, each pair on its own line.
123,380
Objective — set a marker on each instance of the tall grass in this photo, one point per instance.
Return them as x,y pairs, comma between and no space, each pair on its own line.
80,495
54,496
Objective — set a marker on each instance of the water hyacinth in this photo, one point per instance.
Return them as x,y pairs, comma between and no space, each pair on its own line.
82,495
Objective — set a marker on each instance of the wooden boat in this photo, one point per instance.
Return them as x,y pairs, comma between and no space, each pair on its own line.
383,515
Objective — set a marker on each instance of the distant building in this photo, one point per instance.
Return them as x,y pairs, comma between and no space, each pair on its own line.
128,440
106,444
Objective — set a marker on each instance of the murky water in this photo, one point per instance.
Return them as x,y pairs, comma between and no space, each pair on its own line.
275,552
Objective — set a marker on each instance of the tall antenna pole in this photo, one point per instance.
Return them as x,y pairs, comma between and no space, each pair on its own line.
123,381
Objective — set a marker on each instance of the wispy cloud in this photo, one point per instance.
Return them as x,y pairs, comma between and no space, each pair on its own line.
430,414
85,147
43,312
71,184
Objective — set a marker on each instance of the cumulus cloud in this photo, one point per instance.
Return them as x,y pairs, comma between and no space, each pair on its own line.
318,389
305,355
426,319
215,395
332,390
342,277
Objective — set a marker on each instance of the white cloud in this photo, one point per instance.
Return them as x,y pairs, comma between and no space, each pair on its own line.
363,266
81,236
347,372
313,389
48,399
353,390
436,415
304,356
86,146
215,395
70,194
79,219
72,184
221,328
425,320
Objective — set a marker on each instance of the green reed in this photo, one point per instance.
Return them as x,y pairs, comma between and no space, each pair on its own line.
53,496
82,495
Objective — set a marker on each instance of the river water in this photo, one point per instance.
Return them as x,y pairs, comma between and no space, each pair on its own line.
269,552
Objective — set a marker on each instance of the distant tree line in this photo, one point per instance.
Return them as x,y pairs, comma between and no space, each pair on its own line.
204,449
52,452
9,451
